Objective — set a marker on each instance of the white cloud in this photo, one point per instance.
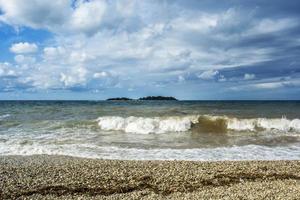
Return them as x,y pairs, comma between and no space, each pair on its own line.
222,78
269,84
56,16
77,76
279,84
23,48
208,75
181,78
200,23
249,76
87,17
21,59
51,53
35,13
133,43
100,75
273,85
273,25
6,70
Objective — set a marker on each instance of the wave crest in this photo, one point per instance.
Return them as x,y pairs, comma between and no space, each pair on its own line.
146,125
195,123
2,117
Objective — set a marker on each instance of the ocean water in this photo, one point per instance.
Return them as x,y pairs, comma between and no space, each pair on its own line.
147,130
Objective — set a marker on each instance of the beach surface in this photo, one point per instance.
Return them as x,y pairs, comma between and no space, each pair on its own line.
61,177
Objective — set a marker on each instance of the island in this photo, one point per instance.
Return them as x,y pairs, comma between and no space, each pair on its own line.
119,99
158,98
148,98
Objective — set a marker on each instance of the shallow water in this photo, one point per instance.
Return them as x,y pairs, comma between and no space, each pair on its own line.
187,130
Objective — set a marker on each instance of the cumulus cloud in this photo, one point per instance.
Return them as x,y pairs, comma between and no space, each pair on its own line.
52,53
57,16
6,70
100,44
35,13
75,77
208,75
87,16
24,48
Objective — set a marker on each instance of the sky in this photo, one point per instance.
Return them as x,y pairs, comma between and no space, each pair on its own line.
189,49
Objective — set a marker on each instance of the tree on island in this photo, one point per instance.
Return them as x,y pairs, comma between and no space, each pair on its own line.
119,99
158,98
151,98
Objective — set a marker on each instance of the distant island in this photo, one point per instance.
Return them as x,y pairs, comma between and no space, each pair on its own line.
158,98
148,98
119,99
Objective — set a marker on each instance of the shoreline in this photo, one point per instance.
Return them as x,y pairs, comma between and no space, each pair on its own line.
64,177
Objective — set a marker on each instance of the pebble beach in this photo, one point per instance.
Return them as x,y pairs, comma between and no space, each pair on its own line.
61,177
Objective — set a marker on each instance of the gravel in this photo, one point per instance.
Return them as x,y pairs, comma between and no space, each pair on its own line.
61,177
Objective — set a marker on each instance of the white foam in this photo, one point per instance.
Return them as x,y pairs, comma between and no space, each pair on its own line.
146,125
281,124
249,152
4,116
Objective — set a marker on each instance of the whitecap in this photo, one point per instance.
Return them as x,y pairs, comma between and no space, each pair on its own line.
146,125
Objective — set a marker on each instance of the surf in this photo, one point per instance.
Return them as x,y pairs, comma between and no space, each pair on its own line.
5,116
196,123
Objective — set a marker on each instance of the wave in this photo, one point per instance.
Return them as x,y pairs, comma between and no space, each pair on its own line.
2,117
147,125
249,152
196,123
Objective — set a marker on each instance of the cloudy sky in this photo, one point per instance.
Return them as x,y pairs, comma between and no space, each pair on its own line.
190,49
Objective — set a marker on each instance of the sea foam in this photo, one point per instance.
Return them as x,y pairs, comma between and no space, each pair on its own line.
4,116
249,152
147,125
205,123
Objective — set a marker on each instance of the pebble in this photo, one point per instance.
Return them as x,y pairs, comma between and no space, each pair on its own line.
62,177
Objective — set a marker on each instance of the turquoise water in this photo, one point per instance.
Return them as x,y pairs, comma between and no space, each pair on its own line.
188,130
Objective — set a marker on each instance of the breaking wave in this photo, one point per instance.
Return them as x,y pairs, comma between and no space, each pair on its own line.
197,123
2,117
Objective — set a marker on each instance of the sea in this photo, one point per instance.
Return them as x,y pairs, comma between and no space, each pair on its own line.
152,130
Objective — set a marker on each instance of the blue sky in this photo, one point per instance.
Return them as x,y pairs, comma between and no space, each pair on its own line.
189,49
